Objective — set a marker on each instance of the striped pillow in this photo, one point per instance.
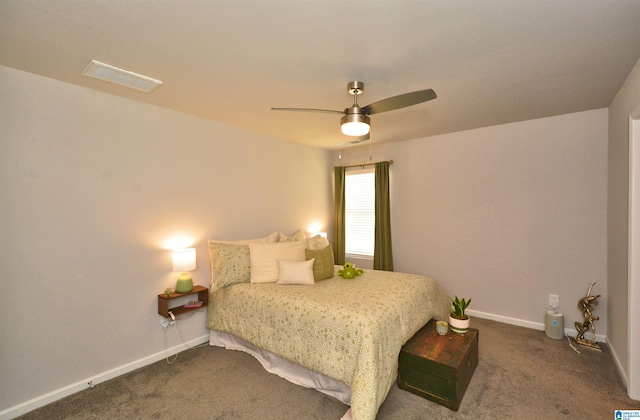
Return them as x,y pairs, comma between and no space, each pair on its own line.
323,266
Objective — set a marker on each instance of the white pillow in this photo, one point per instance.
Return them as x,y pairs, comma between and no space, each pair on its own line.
269,239
264,259
294,272
317,242
298,236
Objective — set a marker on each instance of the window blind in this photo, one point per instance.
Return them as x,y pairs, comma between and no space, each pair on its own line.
360,213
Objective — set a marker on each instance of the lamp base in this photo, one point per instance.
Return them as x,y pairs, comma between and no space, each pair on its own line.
184,284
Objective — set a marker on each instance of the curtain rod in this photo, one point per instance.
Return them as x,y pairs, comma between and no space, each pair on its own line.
367,164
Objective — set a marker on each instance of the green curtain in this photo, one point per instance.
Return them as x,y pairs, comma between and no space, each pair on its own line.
339,232
382,253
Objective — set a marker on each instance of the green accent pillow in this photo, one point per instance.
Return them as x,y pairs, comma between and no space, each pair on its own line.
323,266
230,264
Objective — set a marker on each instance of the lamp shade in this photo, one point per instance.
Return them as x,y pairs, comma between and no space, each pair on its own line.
184,259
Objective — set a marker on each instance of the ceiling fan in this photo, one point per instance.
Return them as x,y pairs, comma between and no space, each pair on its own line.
355,120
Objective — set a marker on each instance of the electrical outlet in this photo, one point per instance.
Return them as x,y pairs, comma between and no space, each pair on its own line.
554,301
164,323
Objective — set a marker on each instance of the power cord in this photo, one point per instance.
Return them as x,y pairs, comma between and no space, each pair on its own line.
164,327
175,325
571,344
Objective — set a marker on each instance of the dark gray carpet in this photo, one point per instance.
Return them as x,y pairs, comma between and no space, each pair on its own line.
521,374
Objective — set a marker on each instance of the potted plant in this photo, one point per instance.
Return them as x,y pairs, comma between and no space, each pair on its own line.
458,320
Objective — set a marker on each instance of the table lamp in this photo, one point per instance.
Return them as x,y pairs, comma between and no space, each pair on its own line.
184,260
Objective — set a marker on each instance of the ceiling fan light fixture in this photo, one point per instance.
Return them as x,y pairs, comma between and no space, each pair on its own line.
355,121
355,124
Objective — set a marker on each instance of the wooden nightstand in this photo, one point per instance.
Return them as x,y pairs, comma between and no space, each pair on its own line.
164,299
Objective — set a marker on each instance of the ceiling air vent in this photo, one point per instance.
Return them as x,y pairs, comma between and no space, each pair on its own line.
121,77
349,143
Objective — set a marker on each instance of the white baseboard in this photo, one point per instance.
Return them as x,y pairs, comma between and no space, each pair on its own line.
527,324
27,406
616,360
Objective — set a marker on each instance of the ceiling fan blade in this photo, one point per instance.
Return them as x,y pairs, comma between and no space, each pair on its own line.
326,111
400,101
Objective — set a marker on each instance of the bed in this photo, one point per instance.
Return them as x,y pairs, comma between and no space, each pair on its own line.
348,330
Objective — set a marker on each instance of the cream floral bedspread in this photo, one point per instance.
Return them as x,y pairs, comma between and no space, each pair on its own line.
350,330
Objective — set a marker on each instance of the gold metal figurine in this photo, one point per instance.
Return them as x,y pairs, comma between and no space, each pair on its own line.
587,305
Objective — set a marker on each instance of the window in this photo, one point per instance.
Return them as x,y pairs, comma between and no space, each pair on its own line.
360,213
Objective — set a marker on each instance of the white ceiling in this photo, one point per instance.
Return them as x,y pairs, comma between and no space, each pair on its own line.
489,61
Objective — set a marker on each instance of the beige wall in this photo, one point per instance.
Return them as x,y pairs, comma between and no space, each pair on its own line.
93,190
626,101
506,215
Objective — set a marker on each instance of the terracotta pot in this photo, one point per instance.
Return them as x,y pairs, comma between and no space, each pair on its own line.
459,326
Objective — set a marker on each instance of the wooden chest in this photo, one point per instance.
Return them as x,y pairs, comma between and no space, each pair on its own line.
437,367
